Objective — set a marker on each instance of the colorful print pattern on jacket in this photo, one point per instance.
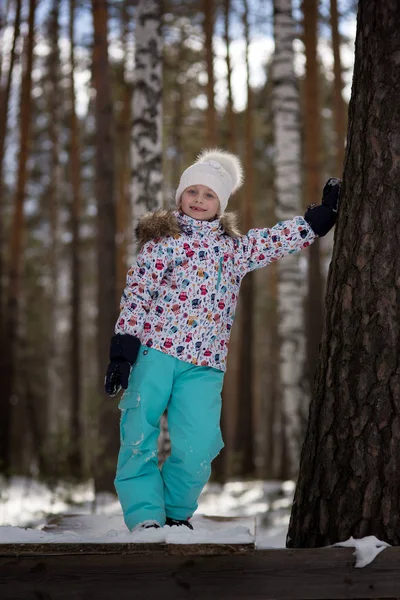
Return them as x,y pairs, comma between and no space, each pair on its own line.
181,295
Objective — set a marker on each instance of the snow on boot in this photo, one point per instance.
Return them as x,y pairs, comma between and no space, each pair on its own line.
146,525
178,522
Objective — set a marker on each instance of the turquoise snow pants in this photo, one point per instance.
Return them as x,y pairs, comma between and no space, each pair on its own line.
192,395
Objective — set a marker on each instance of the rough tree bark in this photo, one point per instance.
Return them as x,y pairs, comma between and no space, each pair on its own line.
291,289
108,434
349,483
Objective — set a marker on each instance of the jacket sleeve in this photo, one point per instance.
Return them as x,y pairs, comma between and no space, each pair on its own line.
142,283
260,247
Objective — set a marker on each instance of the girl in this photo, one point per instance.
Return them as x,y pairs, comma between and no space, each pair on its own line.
171,338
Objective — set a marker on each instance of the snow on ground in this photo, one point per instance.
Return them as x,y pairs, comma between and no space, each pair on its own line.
260,508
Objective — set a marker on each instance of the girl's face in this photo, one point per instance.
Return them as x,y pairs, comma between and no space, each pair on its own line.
200,202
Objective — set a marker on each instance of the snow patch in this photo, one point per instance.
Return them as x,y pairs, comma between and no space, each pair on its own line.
367,549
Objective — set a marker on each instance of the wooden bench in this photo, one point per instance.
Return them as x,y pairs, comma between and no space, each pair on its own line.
177,572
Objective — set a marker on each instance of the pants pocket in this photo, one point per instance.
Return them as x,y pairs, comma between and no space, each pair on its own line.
131,428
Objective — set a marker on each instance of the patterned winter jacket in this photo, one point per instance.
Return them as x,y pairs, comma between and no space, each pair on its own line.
180,296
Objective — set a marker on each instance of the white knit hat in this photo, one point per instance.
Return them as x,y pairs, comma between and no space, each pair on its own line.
219,170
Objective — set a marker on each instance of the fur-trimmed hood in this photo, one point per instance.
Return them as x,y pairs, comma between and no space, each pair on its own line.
163,223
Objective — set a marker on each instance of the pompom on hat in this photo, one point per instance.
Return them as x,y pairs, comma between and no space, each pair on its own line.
219,170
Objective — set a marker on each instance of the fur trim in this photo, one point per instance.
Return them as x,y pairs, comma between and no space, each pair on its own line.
163,223
230,162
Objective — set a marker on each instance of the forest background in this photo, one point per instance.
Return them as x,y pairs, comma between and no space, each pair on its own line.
58,291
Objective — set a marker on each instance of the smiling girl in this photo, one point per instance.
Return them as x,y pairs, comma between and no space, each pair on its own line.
171,339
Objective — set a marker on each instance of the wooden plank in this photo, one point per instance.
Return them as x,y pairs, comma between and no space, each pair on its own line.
308,574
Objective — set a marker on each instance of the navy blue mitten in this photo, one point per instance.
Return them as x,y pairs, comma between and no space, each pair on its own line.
322,217
124,349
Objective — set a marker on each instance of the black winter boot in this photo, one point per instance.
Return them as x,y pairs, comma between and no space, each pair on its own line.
178,522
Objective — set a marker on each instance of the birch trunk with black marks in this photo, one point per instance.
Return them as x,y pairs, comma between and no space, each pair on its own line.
349,482
147,110
147,130
291,286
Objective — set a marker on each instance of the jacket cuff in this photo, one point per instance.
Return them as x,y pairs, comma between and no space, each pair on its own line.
124,346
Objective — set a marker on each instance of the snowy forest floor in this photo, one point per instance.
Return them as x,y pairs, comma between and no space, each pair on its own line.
237,512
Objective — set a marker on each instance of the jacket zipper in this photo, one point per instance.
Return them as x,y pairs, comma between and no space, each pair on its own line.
221,260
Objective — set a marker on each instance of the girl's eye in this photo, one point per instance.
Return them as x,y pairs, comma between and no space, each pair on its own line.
210,195
192,191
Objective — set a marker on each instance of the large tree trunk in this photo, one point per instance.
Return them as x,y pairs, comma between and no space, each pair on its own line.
312,159
349,473
208,9
108,441
291,292
339,108
75,431
147,130
244,427
16,245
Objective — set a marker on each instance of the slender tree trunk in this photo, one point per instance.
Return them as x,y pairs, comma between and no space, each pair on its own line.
208,9
339,108
220,465
178,118
108,441
4,107
229,105
147,110
245,430
312,158
16,244
124,163
75,430
349,473
290,286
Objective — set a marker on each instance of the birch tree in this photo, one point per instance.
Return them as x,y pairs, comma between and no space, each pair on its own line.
290,287
349,481
147,129
147,110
